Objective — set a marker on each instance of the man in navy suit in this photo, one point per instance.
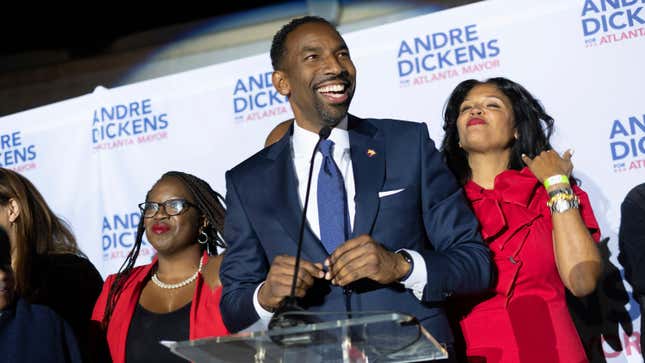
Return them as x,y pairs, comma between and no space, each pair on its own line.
412,241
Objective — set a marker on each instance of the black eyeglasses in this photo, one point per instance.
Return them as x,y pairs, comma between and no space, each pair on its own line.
172,207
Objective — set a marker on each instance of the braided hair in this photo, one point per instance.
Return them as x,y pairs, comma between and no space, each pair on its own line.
209,203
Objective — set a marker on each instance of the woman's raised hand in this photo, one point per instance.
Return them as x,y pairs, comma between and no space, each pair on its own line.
549,163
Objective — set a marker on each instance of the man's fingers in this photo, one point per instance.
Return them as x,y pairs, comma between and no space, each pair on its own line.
287,264
350,256
300,292
304,278
350,250
347,246
353,271
342,265
357,264
313,269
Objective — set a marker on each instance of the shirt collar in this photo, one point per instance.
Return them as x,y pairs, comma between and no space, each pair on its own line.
303,141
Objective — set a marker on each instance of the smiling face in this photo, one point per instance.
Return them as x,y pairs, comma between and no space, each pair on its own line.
317,75
486,120
170,234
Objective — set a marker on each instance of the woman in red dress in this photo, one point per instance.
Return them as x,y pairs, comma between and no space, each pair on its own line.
539,225
176,297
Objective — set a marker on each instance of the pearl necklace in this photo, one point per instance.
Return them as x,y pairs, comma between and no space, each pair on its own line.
190,279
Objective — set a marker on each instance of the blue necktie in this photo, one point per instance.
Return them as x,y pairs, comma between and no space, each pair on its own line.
333,215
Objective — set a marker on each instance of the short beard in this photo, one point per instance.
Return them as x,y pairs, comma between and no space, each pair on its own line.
332,119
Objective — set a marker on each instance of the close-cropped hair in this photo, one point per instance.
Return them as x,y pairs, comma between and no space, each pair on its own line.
533,125
278,46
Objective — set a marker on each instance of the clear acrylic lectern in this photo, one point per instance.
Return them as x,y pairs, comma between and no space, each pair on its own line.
382,337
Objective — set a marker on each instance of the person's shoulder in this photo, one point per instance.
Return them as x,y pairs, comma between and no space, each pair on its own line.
261,158
36,312
392,129
636,194
68,260
70,265
134,275
391,124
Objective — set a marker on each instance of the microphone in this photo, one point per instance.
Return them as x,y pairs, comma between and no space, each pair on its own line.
289,313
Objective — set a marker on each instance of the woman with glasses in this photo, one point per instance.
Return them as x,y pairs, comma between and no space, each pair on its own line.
49,268
176,297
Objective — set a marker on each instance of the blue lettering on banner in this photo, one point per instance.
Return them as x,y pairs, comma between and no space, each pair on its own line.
254,98
122,124
611,21
119,230
627,143
15,154
445,54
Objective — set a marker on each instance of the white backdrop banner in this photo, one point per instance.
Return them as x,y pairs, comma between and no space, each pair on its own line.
94,157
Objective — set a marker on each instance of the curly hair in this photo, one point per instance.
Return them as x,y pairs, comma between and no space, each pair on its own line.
534,126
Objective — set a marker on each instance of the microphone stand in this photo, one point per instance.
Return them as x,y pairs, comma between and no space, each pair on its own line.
289,313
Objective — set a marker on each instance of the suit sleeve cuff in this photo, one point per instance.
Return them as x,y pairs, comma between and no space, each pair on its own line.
418,278
265,315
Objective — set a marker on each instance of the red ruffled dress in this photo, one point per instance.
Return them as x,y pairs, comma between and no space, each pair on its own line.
524,318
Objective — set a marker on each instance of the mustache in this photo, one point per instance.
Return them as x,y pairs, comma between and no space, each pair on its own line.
342,76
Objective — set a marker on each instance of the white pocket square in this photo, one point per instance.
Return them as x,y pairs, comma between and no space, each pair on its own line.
385,193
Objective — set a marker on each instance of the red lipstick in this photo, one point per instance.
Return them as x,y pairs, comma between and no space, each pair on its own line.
475,121
160,228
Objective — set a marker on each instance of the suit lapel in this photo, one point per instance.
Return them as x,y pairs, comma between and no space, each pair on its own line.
368,162
281,186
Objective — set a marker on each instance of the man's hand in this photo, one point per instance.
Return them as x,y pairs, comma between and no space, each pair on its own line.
277,286
363,257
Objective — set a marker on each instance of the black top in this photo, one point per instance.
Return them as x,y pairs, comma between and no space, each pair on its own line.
148,328
69,285
632,238
631,243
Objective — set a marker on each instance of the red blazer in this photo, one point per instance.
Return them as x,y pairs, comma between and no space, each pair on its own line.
205,317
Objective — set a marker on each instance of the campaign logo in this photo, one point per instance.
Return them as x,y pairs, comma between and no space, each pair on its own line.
118,233
16,153
627,143
444,55
611,21
121,125
255,98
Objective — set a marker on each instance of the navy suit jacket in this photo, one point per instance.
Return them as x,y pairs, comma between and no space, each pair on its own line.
430,215
35,333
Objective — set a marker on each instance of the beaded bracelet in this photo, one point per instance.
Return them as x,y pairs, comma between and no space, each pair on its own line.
565,190
556,179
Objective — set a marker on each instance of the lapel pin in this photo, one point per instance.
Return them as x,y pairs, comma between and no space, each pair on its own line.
370,153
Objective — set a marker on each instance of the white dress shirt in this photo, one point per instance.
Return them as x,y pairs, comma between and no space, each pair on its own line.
302,146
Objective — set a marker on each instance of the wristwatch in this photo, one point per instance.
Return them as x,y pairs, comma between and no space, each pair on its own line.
561,205
408,259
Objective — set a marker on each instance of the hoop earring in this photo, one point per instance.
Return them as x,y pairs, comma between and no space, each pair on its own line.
203,238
